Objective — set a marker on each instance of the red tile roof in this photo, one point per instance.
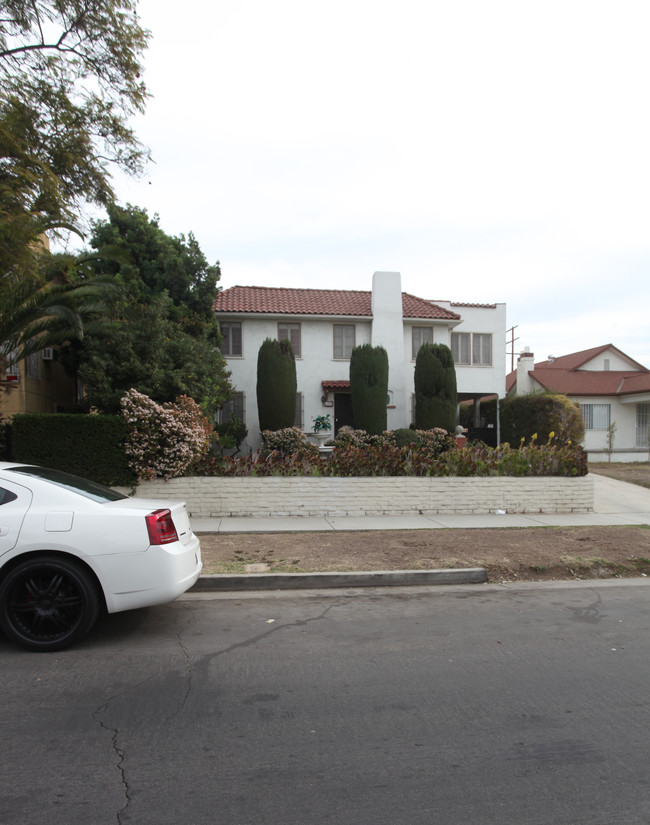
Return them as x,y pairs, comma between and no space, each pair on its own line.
269,300
564,375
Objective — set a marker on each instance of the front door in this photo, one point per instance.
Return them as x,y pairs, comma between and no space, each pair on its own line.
342,411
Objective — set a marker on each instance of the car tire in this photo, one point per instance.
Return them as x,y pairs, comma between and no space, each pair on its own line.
47,603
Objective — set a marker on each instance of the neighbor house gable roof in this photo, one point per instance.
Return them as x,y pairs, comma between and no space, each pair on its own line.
575,360
564,375
330,302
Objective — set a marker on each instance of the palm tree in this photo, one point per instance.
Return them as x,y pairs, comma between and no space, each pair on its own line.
48,306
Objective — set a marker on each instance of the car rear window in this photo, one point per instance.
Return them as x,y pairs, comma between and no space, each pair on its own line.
82,486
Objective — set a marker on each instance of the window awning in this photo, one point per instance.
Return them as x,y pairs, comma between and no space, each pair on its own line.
334,386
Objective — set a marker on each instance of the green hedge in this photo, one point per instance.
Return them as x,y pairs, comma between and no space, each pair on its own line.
90,446
525,416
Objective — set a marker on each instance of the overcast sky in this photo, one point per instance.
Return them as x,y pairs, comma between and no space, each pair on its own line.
489,151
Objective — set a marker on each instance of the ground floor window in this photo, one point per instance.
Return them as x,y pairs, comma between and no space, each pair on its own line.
300,412
596,416
642,424
235,408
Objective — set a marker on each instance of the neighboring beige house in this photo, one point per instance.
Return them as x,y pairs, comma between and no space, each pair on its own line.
39,384
610,387
325,325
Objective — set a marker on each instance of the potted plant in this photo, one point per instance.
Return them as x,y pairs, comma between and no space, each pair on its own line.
322,428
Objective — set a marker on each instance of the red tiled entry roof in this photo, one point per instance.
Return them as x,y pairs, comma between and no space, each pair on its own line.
269,300
335,386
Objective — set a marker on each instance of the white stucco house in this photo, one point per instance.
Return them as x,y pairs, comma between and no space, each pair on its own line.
610,387
325,325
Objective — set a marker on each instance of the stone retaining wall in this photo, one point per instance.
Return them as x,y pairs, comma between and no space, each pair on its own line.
280,496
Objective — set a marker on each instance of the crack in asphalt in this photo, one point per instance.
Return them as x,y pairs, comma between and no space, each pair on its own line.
103,708
120,757
255,639
188,665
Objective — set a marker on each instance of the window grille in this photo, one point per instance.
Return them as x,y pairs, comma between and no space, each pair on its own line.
642,424
235,408
596,416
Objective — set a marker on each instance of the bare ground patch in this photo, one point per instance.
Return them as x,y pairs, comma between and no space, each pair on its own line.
514,554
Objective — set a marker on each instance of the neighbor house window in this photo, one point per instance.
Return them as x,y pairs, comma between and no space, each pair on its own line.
460,347
642,424
596,416
32,365
471,348
235,408
419,336
231,333
290,332
344,338
300,414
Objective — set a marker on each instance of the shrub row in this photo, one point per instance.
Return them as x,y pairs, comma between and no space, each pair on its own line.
410,460
91,446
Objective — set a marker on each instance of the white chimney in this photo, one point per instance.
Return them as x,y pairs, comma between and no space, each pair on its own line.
525,365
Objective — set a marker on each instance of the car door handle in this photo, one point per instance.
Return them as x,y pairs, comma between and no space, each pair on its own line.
4,531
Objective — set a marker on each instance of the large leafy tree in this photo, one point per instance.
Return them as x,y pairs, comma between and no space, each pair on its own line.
70,79
161,337
45,308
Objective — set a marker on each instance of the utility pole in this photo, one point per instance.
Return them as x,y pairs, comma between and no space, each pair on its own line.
511,341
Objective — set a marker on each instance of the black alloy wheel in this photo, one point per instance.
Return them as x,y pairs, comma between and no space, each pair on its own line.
47,603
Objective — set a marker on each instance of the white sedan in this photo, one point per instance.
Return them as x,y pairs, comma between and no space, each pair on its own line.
70,548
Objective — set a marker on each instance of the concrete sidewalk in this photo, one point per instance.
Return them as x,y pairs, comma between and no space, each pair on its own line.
615,503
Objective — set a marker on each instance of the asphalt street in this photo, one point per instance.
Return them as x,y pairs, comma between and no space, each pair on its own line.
452,705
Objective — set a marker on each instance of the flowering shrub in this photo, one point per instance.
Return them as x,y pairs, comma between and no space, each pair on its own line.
348,436
426,457
527,460
163,440
288,441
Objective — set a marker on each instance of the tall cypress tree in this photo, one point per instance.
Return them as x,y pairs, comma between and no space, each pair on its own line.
369,387
436,396
276,385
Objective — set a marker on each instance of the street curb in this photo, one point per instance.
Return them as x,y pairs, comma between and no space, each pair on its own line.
315,581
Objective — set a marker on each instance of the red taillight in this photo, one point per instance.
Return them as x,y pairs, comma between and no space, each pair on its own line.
160,526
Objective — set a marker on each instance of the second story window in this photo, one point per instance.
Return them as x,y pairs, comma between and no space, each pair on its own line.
232,340
471,348
482,349
290,332
460,347
419,336
344,337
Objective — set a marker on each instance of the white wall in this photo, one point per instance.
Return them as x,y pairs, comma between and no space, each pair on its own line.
623,414
616,362
293,496
480,380
385,328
